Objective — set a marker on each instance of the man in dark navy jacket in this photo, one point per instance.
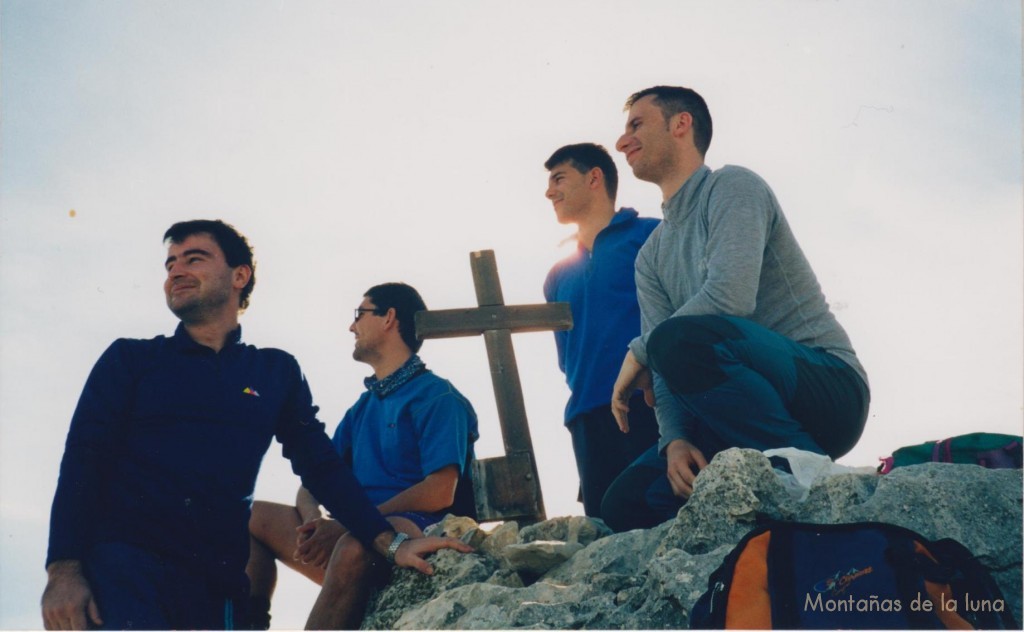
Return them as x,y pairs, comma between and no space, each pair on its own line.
149,526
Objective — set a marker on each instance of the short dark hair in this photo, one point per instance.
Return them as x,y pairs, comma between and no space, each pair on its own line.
672,100
406,301
236,248
585,156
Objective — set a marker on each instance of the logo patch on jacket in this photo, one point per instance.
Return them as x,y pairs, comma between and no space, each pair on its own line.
248,390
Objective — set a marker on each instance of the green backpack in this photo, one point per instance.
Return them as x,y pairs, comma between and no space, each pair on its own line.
986,449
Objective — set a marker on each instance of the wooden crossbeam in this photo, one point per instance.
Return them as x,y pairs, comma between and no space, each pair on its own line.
505,487
470,321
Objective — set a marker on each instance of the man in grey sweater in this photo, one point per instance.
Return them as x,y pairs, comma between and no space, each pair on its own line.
738,347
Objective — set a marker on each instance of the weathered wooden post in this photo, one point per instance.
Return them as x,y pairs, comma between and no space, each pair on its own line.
505,487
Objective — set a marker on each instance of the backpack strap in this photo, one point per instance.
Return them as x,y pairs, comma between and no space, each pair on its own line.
942,451
973,578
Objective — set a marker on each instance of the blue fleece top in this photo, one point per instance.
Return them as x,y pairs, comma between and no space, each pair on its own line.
394,442
601,289
165,445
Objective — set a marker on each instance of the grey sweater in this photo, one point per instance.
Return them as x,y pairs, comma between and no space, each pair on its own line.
725,248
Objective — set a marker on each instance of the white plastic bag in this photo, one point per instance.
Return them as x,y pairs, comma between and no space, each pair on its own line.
809,468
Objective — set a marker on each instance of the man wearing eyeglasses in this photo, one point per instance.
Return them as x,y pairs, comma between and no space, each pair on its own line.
409,439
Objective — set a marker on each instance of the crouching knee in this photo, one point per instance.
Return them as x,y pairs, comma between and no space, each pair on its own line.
683,351
640,498
623,507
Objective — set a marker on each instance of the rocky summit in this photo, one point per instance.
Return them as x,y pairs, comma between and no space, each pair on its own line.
574,573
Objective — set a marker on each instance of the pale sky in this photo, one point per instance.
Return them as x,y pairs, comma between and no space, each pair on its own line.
356,143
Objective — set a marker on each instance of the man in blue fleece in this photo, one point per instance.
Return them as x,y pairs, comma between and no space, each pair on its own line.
597,282
409,439
149,526
738,346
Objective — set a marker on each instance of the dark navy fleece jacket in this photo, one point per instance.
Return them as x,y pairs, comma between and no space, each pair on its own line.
165,446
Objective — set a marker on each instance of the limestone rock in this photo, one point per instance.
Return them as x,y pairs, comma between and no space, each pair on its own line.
539,556
409,589
727,498
506,577
620,554
649,579
453,526
501,536
569,529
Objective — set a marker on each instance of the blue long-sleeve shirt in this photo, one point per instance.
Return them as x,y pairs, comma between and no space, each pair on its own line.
601,291
165,446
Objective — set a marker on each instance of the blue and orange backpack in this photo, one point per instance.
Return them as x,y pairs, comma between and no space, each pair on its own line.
866,575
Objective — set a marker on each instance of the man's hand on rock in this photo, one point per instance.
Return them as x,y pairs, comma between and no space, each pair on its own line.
685,461
410,553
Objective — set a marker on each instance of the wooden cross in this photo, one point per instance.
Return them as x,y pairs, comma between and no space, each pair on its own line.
506,487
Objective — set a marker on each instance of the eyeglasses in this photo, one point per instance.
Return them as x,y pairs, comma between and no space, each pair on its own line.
359,311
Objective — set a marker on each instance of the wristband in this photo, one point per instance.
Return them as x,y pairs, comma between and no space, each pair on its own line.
395,543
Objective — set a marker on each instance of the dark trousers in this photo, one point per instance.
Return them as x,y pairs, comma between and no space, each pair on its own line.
136,589
739,385
603,451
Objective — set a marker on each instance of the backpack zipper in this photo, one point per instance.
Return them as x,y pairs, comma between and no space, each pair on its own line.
719,586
